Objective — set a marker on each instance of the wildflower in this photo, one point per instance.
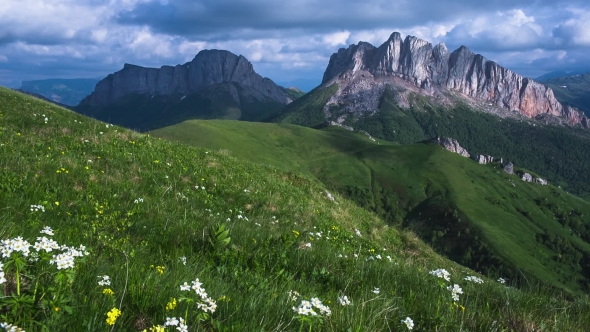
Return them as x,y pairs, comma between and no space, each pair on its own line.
185,287
293,295
308,245
35,208
502,280
343,300
160,269
378,256
182,327
46,244
46,230
357,232
171,305
455,291
474,279
155,328
112,316
137,201
2,278
441,273
10,327
183,260
376,290
56,203
246,191
108,291
409,323
388,258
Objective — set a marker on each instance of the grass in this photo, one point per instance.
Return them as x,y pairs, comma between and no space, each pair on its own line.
140,205
424,188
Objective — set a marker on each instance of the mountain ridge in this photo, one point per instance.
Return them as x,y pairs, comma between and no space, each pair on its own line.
436,71
207,68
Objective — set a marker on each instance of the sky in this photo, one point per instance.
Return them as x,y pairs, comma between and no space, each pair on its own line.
284,40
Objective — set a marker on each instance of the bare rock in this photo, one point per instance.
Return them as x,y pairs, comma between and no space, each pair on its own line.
483,159
451,145
508,168
207,68
540,181
435,70
526,177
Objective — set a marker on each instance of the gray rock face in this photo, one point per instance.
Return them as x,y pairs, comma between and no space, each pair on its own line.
432,68
526,177
207,68
451,145
540,181
508,168
483,159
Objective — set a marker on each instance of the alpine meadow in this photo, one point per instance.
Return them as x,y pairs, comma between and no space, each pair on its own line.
327,166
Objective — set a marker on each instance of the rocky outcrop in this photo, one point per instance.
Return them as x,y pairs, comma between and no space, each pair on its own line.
540,181
483,159
508,168
451,145
209,67
526,177
434,69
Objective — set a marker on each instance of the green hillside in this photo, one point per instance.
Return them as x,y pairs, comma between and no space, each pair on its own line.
557,153
153,215
572,90
475,214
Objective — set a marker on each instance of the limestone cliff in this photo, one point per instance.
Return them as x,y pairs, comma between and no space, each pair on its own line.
209,67
432,69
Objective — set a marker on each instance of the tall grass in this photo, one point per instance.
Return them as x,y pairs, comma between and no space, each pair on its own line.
150,215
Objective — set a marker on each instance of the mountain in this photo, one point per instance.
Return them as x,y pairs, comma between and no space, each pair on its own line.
363,71
303,84
558,74
572,90
215,84
63,91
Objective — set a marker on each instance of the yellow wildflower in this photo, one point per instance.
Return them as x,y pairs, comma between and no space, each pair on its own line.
56,203
160,269
112,316
171,305
108,291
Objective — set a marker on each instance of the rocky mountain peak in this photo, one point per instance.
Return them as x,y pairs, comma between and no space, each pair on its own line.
434,70
208,67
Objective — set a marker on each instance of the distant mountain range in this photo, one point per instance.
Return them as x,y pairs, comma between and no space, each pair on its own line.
63,91
303,84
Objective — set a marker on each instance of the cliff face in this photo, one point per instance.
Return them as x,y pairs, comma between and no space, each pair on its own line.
207,68
434,68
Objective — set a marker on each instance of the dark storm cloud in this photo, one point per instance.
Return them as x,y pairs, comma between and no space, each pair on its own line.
284,40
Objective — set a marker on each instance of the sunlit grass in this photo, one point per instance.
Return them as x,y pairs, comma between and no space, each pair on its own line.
157,217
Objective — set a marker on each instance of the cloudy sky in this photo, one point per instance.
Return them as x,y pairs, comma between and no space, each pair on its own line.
285,40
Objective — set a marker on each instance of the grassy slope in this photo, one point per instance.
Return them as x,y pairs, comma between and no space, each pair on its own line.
402,182
576,94
559,154
88,178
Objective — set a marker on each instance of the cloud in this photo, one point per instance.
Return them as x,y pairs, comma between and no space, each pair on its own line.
284,40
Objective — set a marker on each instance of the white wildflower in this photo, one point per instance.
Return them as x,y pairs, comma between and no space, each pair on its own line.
47,230
455,291
357,232
376,290
171,321
183,260
441,273
409,323
343,300
106,280
474,279
35,208
502,280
